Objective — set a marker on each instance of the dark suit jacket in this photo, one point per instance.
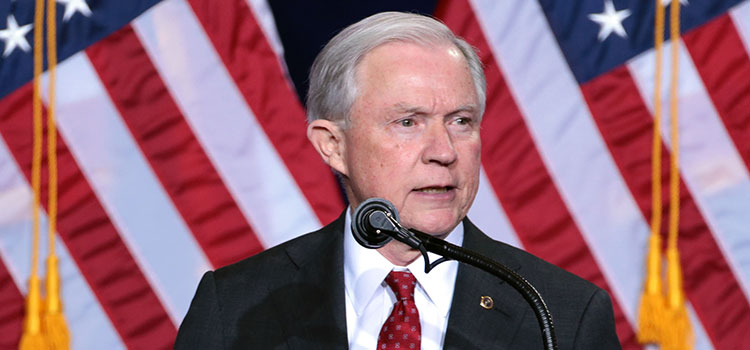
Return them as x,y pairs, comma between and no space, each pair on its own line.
292,297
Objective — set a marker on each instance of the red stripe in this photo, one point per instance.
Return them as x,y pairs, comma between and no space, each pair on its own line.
256,70
91,238
12,310
626,124
519,177
722,62
171,148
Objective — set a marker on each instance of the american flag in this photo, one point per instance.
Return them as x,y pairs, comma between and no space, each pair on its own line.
182,148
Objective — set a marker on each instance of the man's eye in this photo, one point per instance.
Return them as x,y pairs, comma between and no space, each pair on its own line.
406,122
462,121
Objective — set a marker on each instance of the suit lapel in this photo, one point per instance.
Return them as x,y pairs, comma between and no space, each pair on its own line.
314,314
472,326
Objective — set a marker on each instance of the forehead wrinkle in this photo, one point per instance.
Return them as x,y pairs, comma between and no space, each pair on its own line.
418,108
404,107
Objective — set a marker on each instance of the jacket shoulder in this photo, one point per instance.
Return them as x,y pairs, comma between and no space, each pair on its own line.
277,261
532,267
247,295
581,310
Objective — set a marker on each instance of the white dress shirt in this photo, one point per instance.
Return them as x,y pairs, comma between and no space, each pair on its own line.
369,300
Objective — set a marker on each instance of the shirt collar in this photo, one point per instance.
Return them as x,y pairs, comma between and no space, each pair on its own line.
365,270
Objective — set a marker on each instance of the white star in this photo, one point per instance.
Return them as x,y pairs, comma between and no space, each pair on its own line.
15,36
73,6
610,21
667,2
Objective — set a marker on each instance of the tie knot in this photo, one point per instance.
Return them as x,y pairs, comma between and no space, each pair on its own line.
402,283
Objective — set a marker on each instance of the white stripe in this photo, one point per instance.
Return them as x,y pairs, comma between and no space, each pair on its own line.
710,165
264,15
569,142
221,120
487,214
90,328
740,14
262,12
126,186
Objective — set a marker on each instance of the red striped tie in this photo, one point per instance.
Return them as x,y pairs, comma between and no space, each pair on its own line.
401,329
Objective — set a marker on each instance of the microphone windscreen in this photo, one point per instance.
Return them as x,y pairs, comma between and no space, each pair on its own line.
362,229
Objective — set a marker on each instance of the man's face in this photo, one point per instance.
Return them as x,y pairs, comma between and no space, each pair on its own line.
414,135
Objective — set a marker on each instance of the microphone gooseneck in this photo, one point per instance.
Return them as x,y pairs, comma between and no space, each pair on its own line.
375,222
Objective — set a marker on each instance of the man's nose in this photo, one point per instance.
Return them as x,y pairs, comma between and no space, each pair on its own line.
439,146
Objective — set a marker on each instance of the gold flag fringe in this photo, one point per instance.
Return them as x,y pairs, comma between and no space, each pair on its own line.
44,325
677,333
54,325
653,306
32,338
664,320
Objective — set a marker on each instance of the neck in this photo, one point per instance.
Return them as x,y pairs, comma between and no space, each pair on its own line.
399,254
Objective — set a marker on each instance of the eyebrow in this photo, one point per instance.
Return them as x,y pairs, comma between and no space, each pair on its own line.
466,108
405,108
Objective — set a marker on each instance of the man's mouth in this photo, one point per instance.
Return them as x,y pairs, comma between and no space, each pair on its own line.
435,189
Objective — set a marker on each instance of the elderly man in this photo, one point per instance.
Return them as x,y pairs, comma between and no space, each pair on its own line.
395,106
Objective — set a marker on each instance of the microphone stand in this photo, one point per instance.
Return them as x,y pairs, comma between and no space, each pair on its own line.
426,243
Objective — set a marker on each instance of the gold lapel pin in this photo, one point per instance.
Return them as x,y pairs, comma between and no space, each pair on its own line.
486,302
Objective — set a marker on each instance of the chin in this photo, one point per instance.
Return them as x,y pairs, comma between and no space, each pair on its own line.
436,224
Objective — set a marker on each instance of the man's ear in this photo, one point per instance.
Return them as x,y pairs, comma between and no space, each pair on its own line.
328,139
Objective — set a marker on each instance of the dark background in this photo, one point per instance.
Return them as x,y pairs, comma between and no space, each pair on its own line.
299,25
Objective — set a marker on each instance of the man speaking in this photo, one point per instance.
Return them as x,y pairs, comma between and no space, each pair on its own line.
394,107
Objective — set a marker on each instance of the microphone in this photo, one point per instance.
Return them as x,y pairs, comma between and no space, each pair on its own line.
376,221
369,222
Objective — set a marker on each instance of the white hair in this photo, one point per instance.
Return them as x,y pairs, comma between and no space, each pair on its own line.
333,86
